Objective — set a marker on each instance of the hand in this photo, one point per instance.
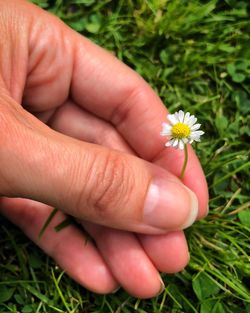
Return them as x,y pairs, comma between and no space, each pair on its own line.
115,176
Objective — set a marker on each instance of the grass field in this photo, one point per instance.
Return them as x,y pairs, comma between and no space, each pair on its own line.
196,55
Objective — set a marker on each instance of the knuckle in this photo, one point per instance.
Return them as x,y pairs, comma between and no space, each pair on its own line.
113,184
136,92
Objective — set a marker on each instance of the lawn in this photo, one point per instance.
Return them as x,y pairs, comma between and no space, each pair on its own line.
196,56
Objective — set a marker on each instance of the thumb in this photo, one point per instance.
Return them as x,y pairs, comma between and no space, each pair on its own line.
88,181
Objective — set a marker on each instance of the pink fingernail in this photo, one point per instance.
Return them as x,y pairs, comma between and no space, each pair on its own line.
170,205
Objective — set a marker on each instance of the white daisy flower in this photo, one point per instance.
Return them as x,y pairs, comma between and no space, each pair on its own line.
181,129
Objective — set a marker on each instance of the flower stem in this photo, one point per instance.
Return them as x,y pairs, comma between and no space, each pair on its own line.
185,162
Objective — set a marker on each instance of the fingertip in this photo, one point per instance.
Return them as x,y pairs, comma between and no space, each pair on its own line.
169,252
194,178
102,282
127,260
169,204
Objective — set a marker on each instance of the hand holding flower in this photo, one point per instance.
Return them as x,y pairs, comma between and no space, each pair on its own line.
73,118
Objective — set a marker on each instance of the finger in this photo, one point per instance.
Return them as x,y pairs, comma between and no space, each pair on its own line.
78,123
168,252
88,181
108,88
69,247
129,263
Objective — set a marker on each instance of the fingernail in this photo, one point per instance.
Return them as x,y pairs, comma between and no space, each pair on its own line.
194,209
207,210
162,288
170,205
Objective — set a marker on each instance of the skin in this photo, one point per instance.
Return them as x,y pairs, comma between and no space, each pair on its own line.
70,110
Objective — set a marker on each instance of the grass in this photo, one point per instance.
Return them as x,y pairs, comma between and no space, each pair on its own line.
196,55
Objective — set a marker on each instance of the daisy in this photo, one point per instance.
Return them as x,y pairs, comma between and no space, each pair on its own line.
181,129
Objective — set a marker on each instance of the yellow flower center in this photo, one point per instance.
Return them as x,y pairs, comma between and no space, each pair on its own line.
180,130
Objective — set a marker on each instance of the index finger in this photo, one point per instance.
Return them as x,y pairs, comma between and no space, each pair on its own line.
112,91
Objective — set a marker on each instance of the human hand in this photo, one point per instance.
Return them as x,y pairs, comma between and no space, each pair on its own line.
82,91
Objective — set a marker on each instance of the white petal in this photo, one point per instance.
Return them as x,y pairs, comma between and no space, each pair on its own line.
194,136
175,143
181,145
166,133
176,114
195,127
196,139
192,120
197,133
185,140
172,119
166,126
186,118
166,129
169,143
181,116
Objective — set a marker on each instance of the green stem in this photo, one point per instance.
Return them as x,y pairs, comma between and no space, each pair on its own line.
47,222
184,163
